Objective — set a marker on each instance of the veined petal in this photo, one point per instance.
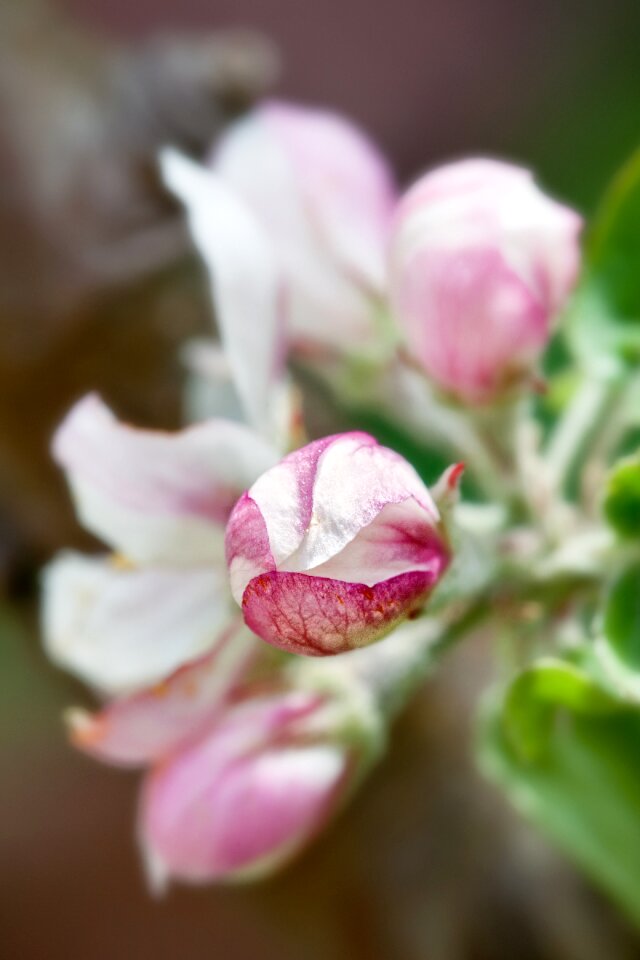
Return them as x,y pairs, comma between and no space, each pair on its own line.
125,629
245,279
146,726
318,616
157,497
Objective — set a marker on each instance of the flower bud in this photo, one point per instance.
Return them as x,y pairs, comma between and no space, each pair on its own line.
481,262
251,793
334,546
325,196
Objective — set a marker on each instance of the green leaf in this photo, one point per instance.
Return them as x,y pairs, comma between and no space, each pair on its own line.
621,503
621,623
613,249
533,698
567,754
604,323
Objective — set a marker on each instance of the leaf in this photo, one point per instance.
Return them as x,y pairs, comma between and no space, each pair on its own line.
583,788
604,323
619,647
533,699
613,250
621,503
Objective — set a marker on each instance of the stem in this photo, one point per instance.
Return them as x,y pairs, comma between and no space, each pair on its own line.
579,428
407,398
394,668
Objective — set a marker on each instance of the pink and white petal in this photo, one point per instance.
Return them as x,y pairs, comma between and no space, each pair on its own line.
355,478
345,183
124,629
245,277
247,545
543,245
401,538
284,496
324,303
157,497
317,616
470,297
463,179
201,822
149,725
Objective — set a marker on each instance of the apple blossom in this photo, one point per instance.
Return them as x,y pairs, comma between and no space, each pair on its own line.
324,196
481,262
334,546
160,501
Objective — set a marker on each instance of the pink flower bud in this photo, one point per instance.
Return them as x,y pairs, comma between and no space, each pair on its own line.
334,546
325,196
247,796
481,261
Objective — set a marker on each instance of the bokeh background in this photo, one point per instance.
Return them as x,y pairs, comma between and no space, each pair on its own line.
99,288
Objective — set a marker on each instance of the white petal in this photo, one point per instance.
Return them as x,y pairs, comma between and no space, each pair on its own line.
122,629
244,276
157,497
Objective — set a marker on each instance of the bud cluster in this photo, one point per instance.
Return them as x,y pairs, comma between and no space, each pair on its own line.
237,550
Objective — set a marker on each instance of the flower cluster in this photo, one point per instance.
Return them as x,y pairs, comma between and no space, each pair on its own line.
474,260
222,723
221,540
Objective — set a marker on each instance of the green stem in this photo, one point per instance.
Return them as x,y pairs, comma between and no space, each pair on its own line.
394,668
580,427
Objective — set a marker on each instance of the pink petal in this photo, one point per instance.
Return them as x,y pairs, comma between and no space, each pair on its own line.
124,629
472,322
247,543
200,822
317,499
402,538
157,496
146,726
245,279
345,182
355,479
318,616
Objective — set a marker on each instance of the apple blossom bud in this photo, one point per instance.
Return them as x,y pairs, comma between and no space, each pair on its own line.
333,547
325,196
481,262
247,796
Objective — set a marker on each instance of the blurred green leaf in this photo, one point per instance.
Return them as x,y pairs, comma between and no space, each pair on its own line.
622,497
621,625
533,699
613,249
583,789
605,317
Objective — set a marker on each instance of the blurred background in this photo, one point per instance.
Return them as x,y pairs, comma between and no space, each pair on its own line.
98,290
